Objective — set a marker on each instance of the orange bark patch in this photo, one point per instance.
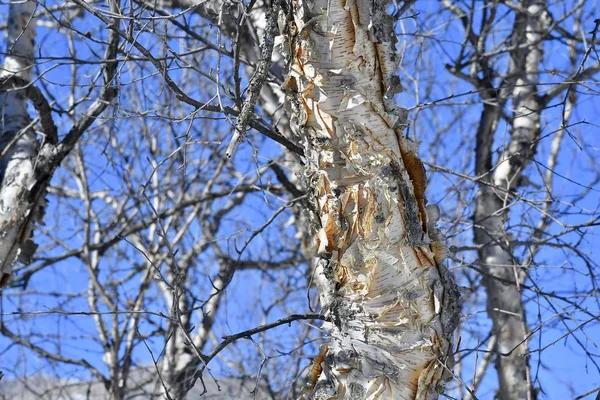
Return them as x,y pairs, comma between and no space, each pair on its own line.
423,256
416,172
316,369
413,379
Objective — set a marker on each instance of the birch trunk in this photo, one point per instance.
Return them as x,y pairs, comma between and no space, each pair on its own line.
391,304
26,164
503,273
18,144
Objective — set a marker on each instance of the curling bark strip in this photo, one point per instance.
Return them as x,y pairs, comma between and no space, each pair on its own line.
392,304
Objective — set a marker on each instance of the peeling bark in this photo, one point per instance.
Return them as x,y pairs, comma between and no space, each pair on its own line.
392,304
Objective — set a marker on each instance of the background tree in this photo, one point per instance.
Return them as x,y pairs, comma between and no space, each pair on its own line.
528,64
174,178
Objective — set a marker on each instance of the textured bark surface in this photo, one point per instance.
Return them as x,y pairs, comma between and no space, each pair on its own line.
20,206
503,272
26,162
392,305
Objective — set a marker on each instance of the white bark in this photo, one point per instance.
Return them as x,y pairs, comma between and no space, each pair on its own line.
18,144
26,166
392,305
526,122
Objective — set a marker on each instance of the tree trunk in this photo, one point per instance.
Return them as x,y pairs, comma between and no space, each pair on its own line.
27,164
19,206
503,272
392,306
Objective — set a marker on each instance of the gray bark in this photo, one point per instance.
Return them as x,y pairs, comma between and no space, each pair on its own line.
503,272
26,163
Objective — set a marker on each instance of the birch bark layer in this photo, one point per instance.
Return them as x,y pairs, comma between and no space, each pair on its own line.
392,305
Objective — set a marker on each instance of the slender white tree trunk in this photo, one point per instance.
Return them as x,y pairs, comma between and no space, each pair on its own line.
392,305
503,274
18,144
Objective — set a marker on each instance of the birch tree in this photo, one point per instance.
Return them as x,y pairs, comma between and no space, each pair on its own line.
533,25
20,206
527,95
510,327
119,223
26,163
392,306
